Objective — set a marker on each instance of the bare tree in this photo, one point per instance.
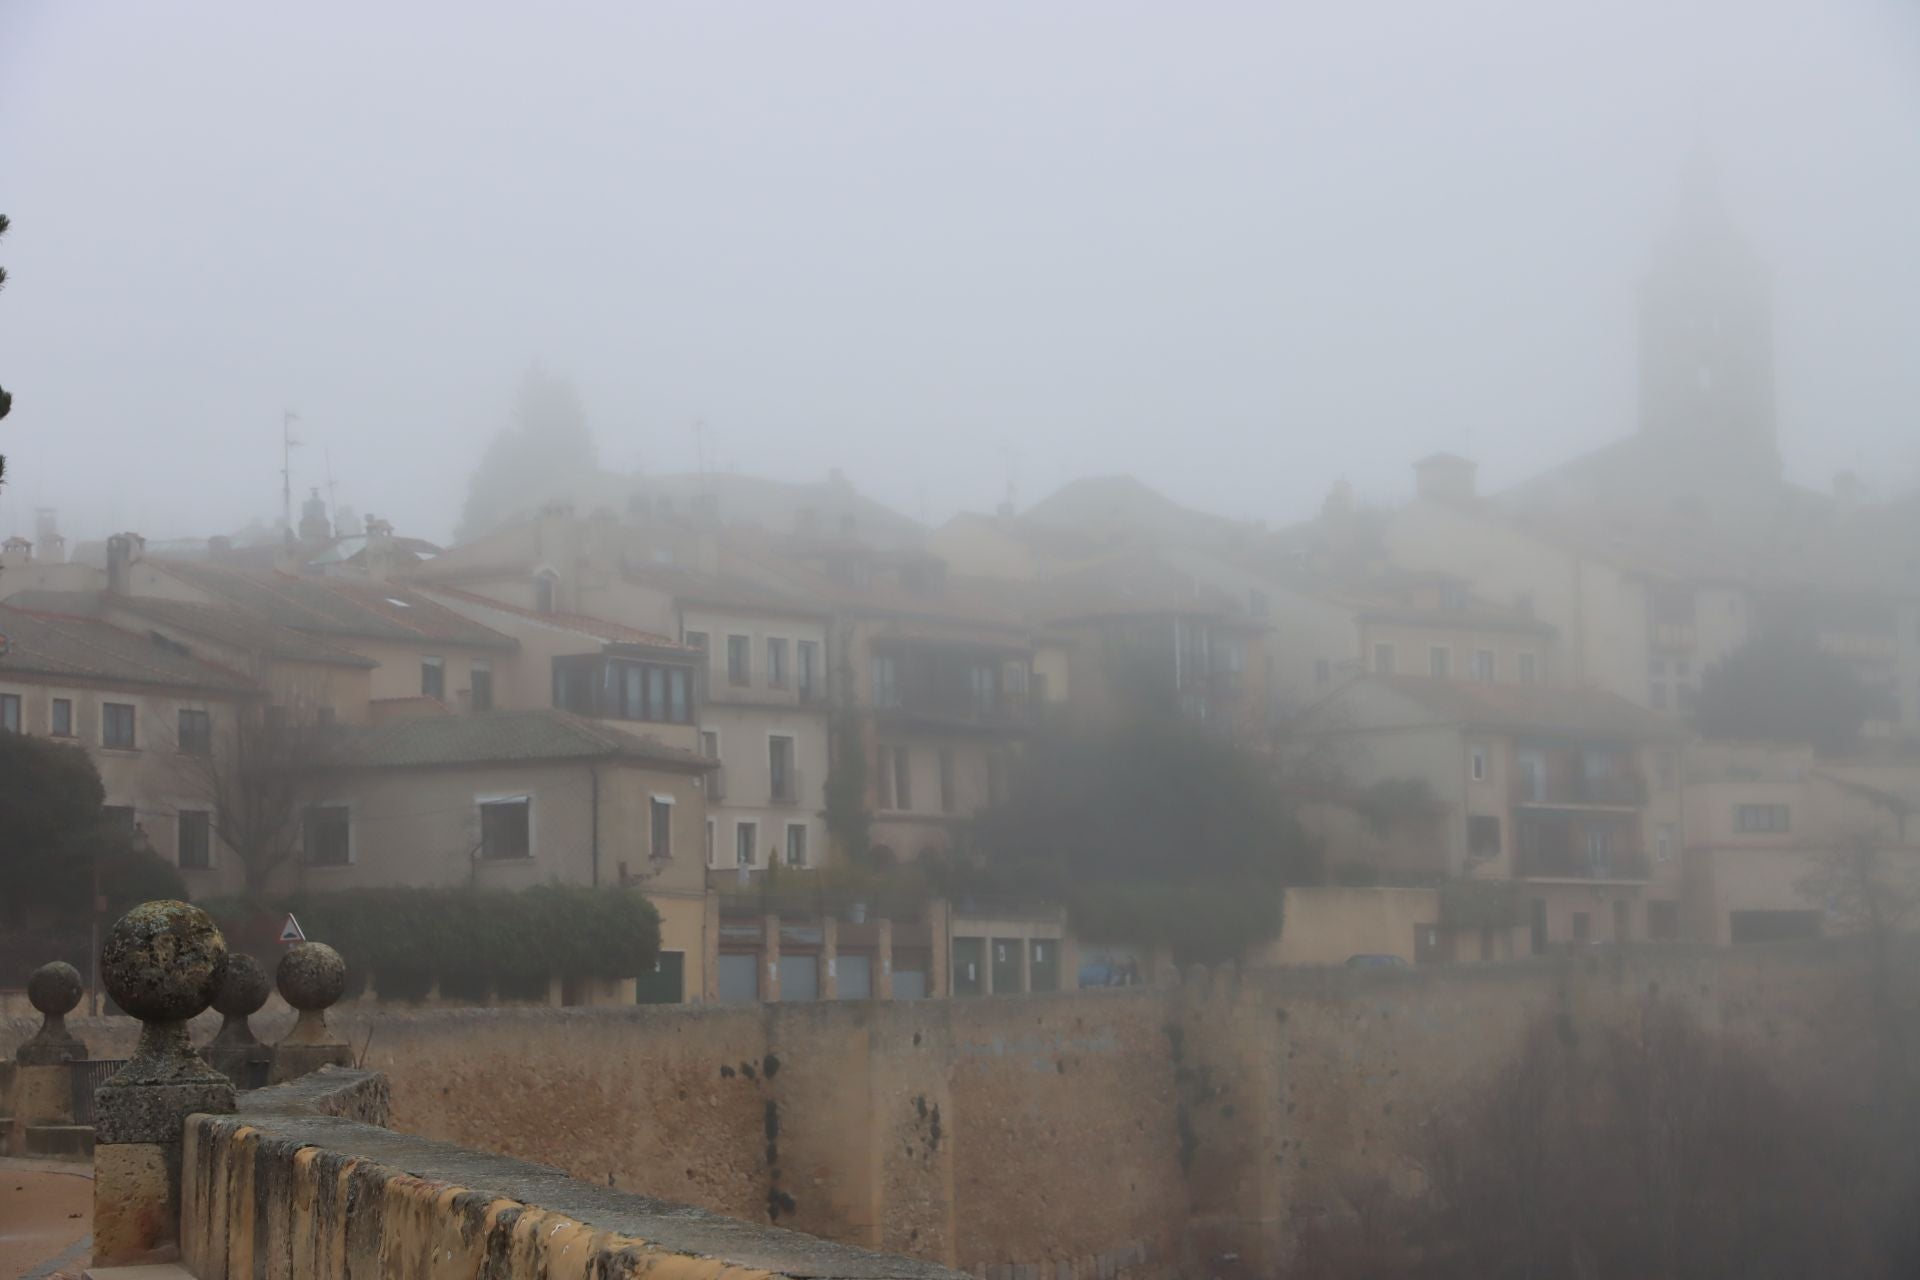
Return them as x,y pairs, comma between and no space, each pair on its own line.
257,768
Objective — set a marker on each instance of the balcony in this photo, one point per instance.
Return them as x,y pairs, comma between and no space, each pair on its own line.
1627,790
1569,847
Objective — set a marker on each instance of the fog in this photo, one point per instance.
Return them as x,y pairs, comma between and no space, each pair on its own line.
1240,251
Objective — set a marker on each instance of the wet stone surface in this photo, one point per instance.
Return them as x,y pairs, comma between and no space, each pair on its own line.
311,976
163,961
243,990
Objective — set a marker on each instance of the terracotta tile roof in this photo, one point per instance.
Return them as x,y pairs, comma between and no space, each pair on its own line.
1539,707
585,624
231,627
338,606
504,737
86,650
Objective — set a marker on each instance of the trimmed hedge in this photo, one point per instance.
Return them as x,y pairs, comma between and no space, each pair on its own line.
471,939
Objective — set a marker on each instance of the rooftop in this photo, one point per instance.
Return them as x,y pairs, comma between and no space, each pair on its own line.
333,606
84,650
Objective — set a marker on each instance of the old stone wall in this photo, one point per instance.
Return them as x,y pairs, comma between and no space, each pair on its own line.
1191,1130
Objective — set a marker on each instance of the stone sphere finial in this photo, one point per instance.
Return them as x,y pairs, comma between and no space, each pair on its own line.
55,988
311,976
242,992
162,963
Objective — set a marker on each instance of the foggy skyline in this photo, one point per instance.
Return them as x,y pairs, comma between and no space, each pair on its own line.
1238,252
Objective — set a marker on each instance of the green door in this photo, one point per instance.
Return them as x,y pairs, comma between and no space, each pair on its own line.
666,984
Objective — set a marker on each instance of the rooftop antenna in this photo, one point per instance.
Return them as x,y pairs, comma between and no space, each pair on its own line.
332,507
287,445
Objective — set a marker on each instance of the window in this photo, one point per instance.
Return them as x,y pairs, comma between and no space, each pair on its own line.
776,663
694,640
946,779
433,678
745,836
196,733
1439,659
116,725
506,829
1599,843
902,780
1663,842
1762,817
1483,835
10,712
1529,671
780,779
1322,671
883,778
660,826
796,844
739,660
886,693
1383,659
328,836
809,670
1478,757
590,685
1622,920
193,848
1483,665
62,717
710,838
480,682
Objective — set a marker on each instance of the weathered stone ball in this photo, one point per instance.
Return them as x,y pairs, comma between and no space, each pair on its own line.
55,988
311,975
244,988
162,961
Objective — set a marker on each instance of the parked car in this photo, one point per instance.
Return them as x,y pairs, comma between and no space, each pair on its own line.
1376,961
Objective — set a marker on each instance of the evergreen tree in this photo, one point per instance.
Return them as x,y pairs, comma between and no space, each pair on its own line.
545,453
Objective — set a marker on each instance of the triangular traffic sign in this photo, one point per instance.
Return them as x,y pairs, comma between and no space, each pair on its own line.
290,931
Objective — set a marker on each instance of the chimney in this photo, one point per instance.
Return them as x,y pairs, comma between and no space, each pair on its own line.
46,536
378,558
16,553
1444,477
123,552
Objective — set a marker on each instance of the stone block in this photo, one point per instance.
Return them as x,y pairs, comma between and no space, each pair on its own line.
43,1094
136,1210
59,1141
291,1061
155,1113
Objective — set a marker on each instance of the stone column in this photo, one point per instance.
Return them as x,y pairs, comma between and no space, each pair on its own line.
769,958
709,989
883,960
940,962
311,977
162,963
42,1081
829,978
234,1051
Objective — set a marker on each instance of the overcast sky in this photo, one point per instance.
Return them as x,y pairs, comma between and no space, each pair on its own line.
1238,250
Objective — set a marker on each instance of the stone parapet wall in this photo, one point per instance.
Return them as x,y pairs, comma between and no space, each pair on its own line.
292,1186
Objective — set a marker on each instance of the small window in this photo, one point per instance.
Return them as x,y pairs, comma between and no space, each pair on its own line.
1383,659
116,725
710,837
883,778
193,849
328,836
1529,669
902,780
886,692
809,672
433,678
694,639
1770,818
1478,756
196,733
62,726
660,826
506,829
480,683
796,844
10,712
780,779
1483,665
740,660
776,663
1439,660
746,835
1663,842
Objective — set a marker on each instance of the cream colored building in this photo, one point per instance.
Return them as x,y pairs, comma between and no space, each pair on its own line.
1572,793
